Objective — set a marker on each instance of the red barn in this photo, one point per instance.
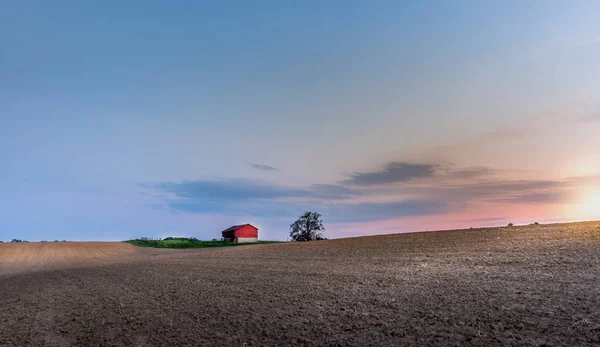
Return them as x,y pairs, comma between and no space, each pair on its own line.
241,233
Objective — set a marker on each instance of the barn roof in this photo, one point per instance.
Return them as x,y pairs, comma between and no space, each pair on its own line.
236,227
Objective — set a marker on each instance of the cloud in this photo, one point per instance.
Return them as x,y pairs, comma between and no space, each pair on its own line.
233,189
501,191
436,184
393,172
441,182
529,128
228,189
472,172
440,189
537,197
501,188
332,191
369,211
401,172
334,213
258,198
262,208
264,167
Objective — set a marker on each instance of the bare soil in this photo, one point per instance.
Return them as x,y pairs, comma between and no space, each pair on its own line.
533,285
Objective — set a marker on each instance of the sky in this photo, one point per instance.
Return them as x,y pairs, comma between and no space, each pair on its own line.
179,118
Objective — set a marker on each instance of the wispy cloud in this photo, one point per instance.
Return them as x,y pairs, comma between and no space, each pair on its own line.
393,172
245,189
507,191
332,191
364,212
227,189
486,185
472,172
530,128
403,172
547,197
262,167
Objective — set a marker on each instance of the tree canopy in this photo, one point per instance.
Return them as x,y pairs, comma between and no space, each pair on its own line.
307,227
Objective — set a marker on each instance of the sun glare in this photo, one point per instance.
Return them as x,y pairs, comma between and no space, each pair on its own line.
590,206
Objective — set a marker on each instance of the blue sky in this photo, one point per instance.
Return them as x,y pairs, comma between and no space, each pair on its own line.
158,118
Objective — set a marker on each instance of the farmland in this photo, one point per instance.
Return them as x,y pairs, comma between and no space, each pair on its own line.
184,242
525,285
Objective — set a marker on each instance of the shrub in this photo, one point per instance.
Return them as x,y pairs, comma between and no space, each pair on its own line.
510,224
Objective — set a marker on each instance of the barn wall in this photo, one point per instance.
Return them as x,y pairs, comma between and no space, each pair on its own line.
247,239
246,231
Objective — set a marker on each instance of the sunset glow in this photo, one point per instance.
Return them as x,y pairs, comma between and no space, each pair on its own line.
589,208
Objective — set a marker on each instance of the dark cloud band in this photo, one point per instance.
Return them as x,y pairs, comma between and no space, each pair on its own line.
264,167
393,172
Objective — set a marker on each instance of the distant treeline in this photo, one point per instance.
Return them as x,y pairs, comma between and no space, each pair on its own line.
22,241
188,242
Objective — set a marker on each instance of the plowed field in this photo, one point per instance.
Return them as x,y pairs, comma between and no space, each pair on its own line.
533,285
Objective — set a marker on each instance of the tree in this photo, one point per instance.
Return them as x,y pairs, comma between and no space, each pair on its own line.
307,227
